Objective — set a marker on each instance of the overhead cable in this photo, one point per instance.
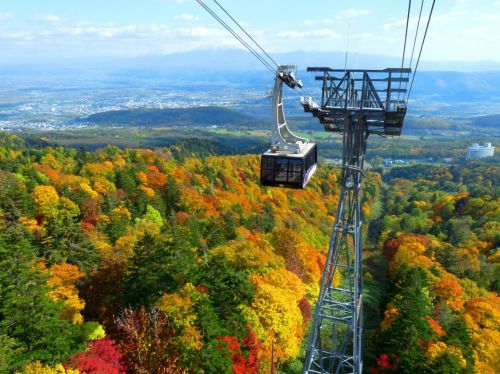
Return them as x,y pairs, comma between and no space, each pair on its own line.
238,37
404,45
416,32
247,34
421,48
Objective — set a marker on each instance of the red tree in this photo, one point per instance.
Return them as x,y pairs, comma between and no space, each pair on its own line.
305,309
101,357
243,363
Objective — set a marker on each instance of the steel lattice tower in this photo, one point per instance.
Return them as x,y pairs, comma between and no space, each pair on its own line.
354,107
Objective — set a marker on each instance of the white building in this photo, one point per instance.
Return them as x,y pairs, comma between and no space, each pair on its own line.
480,151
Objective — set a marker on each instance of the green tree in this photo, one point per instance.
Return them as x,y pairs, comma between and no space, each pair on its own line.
228,290
459,335
27,315
125,179
172,196
264,221
65,242
14,200
150,274
405,337
9,349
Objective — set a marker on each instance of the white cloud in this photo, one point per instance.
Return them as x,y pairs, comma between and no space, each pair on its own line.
457,11
168,2
312,22
186,17
50,18
4,16
20,36
353,13
322,33
200,32
441,19
401,23
129,39
366,36
496,4
491,17
460,4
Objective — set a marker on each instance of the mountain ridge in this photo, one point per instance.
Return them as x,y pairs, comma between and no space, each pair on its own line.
238,59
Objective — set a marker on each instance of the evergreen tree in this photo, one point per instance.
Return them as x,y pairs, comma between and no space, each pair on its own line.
28,317
459,335
151,273
65,242
228,289
409,331
172,196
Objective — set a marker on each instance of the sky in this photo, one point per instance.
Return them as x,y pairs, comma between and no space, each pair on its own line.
31,30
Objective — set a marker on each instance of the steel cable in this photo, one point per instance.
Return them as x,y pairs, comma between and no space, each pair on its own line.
239,38
420,52
404,46
416,33
247,34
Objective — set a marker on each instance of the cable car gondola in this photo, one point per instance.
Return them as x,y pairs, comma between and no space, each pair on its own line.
291,170
291,161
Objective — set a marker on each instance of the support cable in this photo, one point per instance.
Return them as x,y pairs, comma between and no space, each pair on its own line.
416,35
247,34
395,144
239,38
404,45
421,48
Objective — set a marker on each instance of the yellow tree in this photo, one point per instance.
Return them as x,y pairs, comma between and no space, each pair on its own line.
179,307
63,278
275,315
38,368
47,200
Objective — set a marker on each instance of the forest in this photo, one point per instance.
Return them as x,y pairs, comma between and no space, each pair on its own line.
169,260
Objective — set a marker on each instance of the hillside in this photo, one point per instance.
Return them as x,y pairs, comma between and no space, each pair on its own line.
197,116
169,261
492,121
234,119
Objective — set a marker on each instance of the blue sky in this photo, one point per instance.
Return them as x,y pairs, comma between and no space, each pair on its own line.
467,30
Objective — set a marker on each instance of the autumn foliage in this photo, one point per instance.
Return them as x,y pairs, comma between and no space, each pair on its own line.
451,323
189,265
102,356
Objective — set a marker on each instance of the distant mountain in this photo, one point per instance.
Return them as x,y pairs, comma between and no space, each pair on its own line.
492,121
456,86
446,82
238,59
201,60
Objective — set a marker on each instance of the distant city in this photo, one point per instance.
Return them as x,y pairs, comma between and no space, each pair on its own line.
54,100
55,109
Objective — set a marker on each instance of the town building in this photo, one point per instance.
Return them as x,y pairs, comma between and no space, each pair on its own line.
479,151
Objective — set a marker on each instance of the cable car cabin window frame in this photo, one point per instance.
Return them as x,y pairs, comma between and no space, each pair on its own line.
288,170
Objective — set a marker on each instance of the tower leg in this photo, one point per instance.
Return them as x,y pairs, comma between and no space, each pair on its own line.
335,341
